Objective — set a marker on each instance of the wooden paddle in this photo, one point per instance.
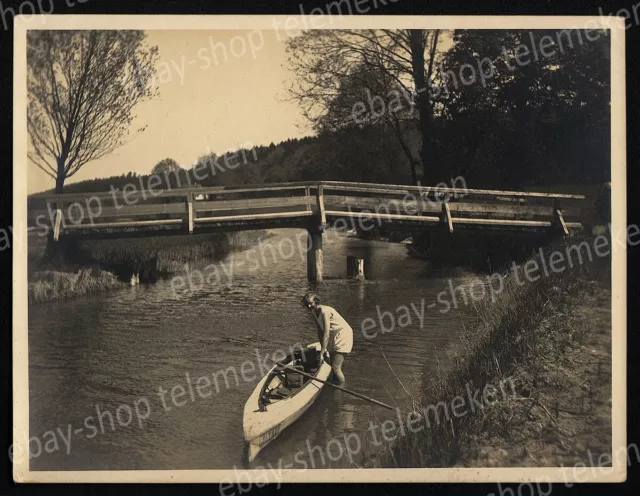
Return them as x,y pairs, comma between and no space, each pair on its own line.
332,385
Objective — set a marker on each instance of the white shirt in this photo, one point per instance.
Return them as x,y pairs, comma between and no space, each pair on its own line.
340,332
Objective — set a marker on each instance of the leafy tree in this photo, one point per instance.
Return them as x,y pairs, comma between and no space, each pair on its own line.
335,69
545,119
166,166
83,87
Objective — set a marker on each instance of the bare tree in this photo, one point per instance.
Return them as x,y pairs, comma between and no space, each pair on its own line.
83,87
335,69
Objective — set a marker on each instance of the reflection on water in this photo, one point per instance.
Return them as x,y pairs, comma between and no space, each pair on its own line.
96,362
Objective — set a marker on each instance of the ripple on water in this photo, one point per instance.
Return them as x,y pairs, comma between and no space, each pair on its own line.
112,348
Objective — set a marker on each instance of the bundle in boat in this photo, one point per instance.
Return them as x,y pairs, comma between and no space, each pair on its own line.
282,396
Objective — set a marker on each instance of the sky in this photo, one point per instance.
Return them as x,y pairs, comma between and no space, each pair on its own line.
219,91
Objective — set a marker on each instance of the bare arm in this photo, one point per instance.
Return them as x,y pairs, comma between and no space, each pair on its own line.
326,324
319,330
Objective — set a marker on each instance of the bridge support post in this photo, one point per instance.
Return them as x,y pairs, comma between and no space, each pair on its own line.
57,222
446,212
190,212
558,225
314,255
355,268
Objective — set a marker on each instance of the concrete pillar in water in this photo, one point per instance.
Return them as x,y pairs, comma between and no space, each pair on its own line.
314,255
355,268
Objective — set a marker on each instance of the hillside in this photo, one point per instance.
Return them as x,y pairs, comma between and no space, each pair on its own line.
374,154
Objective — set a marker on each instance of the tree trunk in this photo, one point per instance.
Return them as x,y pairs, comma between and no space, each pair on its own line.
54,252
59,184
395,125
60,176
414,175
424,108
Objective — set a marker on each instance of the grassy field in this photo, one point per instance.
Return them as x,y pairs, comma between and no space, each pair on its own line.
549,340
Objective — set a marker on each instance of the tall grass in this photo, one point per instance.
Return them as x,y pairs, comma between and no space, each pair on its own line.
54,285
97,265
125,256
527,323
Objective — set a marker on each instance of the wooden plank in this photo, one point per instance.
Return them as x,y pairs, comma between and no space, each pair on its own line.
496,208
191,211
431,207
373,187
132,197
58,223
139,195
371,215
246,189
113,212
249,203
323,216
133,223
251,188
254,216
164,208
502,222
559,221
447,214
419,204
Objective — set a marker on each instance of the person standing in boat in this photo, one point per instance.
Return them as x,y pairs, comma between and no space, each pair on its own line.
334,333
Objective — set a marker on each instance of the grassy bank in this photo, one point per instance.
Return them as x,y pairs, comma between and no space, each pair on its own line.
87,266
555,359
172,252
55,285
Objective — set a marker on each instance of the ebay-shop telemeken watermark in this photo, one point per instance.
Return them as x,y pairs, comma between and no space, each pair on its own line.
492,285
132,193
350,444
139,411
469,74
600,464
28,10
557,261
251,43
287,248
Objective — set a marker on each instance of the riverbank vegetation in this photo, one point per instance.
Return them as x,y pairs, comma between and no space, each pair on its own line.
87,266
51,285
550,339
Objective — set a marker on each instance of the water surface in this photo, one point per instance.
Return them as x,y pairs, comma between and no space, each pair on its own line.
93,357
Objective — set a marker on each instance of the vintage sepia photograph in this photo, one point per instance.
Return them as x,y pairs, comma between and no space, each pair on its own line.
322,247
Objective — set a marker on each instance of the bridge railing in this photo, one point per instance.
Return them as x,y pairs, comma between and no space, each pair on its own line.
190,209
454,206
187,207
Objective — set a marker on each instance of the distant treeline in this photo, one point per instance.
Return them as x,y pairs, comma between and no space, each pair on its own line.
571,153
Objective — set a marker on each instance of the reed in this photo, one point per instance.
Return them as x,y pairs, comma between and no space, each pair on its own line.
96,265
54,285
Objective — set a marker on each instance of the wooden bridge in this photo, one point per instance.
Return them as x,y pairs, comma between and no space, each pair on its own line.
307,205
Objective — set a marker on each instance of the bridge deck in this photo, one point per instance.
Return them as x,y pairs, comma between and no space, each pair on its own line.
309,205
